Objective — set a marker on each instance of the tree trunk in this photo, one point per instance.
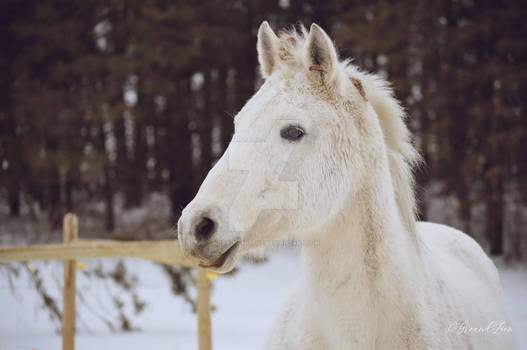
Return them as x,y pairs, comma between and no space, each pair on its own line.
107,186
137,173
71,177
13,194
108,198
205,128
54,197
226,121
179,160
494,216
246,68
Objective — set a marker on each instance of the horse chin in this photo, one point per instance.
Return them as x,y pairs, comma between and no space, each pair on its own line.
226,262
227,267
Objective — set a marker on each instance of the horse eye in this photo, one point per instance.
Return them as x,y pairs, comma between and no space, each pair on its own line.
292,133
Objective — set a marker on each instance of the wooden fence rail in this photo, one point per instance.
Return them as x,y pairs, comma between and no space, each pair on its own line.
166,252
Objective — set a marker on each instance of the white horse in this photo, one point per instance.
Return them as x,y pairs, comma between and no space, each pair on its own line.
321,152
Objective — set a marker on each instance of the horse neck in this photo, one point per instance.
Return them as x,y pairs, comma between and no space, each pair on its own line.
364,248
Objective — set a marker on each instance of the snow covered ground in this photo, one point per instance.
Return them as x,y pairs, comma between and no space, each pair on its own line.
514,282
246,304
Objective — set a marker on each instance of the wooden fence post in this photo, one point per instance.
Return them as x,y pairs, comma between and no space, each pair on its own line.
203,309
70,234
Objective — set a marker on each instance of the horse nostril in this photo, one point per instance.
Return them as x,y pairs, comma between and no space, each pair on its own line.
204,229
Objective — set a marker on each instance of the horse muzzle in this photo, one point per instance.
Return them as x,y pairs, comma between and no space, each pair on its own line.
199,236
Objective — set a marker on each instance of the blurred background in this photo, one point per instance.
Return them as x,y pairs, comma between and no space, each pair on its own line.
116,110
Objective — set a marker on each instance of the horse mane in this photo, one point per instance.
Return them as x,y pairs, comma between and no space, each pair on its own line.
402,155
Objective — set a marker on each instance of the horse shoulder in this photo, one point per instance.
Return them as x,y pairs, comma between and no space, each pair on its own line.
452,246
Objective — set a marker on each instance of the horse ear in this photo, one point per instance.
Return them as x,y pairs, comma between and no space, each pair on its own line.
320,54
267,42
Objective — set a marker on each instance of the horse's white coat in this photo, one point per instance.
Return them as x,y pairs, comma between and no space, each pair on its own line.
372,277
